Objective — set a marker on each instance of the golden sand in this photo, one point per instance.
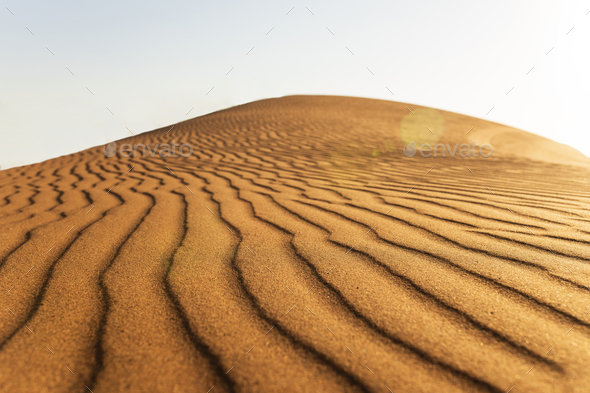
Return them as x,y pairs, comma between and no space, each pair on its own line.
299,250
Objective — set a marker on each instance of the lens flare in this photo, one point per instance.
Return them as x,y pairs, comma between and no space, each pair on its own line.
425,125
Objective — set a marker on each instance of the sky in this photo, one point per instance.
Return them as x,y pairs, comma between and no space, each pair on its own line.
79,74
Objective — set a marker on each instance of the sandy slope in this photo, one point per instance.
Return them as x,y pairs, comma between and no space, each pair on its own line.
298,250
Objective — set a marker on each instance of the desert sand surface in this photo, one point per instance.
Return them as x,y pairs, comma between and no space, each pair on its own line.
299,250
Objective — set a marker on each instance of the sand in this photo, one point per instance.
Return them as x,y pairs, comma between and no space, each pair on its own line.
299,250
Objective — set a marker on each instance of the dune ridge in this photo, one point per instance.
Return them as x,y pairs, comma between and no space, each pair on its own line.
298,249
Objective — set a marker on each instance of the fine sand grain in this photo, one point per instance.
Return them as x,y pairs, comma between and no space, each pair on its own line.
299,250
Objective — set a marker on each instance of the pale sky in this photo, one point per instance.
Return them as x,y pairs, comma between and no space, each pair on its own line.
151,62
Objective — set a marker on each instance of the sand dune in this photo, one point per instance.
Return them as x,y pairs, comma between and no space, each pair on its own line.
299,250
